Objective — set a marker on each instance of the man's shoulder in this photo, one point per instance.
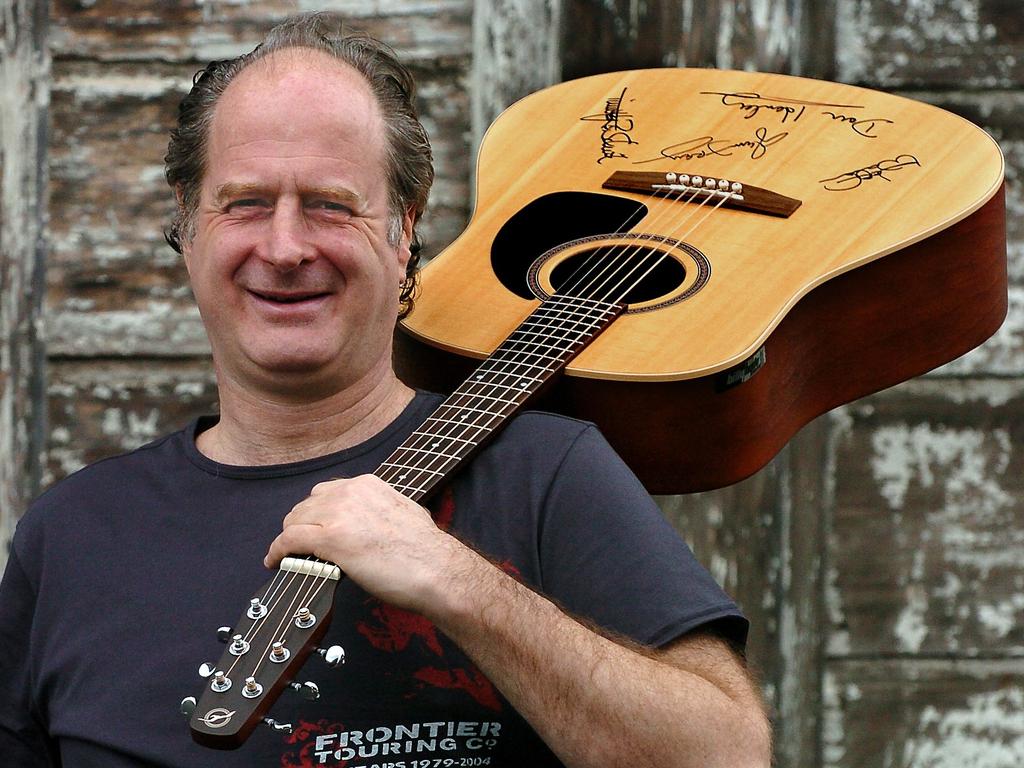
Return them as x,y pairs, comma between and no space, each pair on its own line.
96,483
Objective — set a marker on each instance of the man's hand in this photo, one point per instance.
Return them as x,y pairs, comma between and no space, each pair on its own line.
382,540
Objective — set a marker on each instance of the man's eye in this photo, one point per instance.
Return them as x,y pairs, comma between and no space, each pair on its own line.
332,206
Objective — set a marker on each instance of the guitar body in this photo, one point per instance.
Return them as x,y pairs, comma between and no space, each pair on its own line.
886,259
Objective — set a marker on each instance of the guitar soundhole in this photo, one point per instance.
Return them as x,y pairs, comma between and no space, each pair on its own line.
619,274
645,272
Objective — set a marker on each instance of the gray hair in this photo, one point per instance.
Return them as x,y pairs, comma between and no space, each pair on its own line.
408,159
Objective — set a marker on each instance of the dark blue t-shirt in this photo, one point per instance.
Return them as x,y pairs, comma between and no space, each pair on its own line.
120,575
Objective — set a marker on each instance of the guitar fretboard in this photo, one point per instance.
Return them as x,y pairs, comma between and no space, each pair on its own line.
552,335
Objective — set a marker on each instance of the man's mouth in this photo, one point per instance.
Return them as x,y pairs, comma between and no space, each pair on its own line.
284,297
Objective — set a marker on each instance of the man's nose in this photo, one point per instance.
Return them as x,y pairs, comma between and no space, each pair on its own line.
289,243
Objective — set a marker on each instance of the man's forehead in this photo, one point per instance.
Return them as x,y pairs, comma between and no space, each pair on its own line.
299,86
280,63
295,104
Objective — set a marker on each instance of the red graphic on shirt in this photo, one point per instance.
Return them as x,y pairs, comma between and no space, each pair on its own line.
471,680
304,736
393,630
445,510
396,628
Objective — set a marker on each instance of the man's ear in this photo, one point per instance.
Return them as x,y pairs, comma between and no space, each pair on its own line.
408,220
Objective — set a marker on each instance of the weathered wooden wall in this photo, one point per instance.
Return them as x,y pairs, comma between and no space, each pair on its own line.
880,555
23,92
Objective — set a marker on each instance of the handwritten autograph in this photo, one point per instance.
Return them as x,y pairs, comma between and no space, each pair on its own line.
853,179
864,126
616,127
750,104
705,146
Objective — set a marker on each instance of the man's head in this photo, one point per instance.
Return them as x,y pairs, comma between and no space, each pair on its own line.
300,174
408,163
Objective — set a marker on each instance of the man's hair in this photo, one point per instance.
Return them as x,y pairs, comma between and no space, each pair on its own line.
408,160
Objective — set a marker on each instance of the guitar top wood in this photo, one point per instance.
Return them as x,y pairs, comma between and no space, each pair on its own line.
873,173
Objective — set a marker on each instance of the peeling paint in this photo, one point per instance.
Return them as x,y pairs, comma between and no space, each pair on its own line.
987,731
911,628
968,460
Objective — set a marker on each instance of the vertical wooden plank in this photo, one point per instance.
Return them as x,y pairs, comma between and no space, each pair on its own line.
793,36
803,509
619,34
23,97
515,52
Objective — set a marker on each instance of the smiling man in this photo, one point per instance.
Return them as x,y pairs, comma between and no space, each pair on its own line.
541,613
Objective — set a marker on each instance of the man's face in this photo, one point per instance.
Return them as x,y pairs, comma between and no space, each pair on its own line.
290,262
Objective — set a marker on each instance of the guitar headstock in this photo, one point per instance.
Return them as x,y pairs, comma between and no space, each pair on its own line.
266,648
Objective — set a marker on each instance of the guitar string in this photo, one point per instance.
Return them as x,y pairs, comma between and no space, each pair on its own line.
286,581
665,255
311,585
597,256
672,235
665,212
475,396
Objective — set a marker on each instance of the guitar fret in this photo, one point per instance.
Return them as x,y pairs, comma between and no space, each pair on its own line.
503,347
544,368
568,327
427,451
465,424
496,384
401,487
407,468
486,397
446,437
567,317
541,345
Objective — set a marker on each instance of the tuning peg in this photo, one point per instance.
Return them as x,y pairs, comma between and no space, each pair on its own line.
307,690
187,706
224,634
206,669
281,727
334,656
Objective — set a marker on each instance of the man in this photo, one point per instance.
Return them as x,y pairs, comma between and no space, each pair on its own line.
300,172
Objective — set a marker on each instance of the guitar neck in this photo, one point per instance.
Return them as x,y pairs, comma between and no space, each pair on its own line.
541,346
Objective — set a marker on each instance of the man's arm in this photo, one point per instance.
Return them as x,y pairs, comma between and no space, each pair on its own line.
596,702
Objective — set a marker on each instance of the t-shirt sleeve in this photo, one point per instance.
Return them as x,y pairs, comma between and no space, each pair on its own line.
23,741
608,554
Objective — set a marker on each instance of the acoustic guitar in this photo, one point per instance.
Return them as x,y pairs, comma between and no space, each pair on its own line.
713,258
865,246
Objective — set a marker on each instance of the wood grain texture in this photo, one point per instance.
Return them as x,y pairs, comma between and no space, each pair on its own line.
23,98
772,36
99,408
973,44
923,714
928,533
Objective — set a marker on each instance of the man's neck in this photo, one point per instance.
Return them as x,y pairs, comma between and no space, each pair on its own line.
260,429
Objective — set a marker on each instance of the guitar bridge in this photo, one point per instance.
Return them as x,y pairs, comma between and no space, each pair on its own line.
695,188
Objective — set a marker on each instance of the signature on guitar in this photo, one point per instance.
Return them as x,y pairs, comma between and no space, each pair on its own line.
616,128
705,146
844,182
